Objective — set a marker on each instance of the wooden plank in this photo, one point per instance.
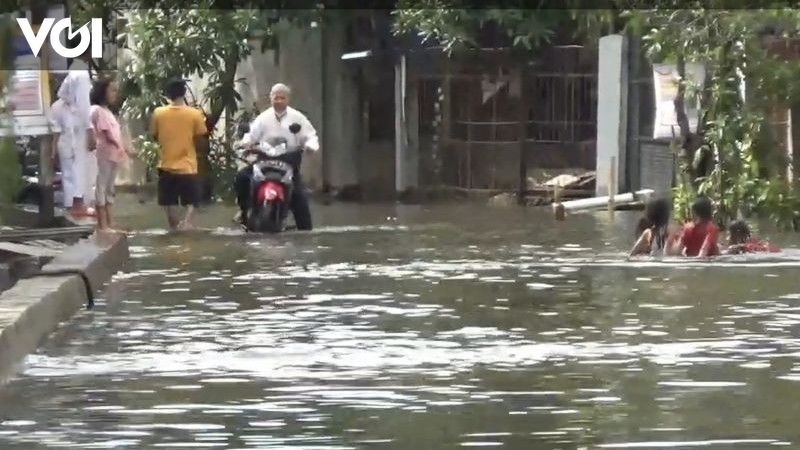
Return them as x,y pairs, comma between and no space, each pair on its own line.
547,191
30,250
44,233
49,243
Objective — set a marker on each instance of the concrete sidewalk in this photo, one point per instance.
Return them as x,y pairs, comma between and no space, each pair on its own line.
35,307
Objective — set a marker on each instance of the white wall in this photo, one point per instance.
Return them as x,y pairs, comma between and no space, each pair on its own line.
612,105
343,110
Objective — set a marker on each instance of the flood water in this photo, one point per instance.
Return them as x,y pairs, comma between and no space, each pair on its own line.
407,327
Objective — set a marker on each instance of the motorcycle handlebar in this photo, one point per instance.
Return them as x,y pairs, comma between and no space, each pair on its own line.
253,149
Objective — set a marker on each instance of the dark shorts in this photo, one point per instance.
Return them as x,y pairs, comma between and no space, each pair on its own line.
178,189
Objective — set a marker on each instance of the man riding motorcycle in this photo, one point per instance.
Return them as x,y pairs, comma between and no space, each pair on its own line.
273,125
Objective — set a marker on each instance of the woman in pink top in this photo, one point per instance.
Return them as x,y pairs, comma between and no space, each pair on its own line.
111,152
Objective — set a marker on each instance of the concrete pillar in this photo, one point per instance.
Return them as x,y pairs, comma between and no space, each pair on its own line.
406,130
794,137
790,158
411,159
306,85
612,105
342,112
633,177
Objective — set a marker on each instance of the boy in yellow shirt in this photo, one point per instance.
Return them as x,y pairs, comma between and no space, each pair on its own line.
176,127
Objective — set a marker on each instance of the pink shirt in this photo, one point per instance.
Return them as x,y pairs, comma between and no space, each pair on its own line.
104,124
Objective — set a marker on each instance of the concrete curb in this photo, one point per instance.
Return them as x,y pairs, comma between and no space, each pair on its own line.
35,307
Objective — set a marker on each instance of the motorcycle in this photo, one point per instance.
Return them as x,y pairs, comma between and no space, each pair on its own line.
271,184
31,192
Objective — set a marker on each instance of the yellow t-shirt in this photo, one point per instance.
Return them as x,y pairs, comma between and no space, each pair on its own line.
175,128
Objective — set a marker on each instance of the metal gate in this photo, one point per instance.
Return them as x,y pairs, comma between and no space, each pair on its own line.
560,110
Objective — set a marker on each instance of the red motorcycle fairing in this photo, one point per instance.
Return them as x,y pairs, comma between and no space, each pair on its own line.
271,191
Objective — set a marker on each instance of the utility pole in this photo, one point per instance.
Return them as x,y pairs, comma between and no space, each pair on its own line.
39,11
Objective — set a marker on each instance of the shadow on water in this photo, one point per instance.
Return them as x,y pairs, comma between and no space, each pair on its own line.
418,327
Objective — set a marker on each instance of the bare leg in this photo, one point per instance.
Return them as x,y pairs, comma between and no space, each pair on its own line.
188,221
102,218
172,217
110,225
107,211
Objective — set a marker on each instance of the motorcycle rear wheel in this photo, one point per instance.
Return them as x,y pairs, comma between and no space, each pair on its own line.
266,219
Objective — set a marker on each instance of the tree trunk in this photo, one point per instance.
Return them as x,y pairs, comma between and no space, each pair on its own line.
225,104
227,89
690,141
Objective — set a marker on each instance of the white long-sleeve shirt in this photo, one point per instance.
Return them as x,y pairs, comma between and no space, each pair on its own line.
75,92
269,125
60,122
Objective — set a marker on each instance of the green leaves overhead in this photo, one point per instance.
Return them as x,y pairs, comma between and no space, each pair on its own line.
734,45
179,43
732,156
455,27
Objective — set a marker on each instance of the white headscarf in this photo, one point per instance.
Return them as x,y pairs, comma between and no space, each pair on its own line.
67,91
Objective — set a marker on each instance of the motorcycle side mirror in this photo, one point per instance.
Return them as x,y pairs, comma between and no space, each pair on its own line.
243,129
294,128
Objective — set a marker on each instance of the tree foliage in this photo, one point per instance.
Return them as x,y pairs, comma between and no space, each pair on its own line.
727,156
181,43
10,168
455,27
208,41
82,11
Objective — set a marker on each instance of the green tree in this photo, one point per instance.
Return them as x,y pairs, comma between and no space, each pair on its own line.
10,168
726,157
456,28
208,41
82,11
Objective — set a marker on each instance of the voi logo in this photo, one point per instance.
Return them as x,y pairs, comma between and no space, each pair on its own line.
87,37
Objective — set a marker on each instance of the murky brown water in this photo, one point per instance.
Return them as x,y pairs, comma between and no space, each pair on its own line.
418,328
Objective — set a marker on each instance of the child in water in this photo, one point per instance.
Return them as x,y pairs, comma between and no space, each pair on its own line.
699,237
740,240
654,237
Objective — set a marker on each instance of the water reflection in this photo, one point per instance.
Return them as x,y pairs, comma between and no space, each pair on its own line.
436,330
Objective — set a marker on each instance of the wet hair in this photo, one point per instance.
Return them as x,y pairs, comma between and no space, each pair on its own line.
656,214
658,211
175,88
702,209
99,92
739,231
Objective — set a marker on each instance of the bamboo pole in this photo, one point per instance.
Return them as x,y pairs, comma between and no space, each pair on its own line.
600,202
612,182
558,208
522,135
470,113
